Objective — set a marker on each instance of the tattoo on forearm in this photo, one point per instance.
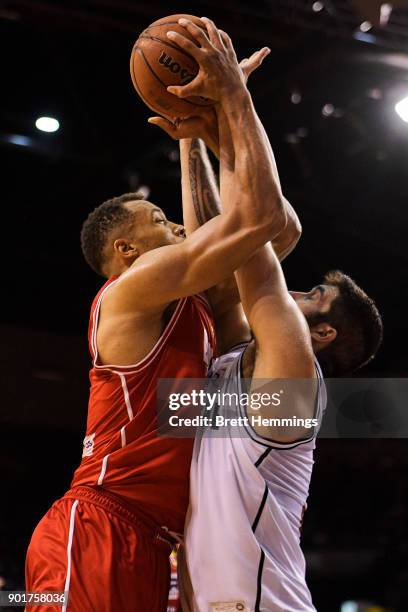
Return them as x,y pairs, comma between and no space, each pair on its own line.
203,186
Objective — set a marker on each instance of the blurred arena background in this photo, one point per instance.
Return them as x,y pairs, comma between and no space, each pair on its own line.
327,96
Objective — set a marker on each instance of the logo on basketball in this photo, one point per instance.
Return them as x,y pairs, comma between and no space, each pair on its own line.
176,68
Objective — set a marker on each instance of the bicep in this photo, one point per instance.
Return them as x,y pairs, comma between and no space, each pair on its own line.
285,375
153,281
204,259
286,413
283,340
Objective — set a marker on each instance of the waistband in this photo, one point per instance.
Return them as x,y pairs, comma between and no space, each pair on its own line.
120,508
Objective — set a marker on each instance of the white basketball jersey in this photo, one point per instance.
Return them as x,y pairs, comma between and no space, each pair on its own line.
247,497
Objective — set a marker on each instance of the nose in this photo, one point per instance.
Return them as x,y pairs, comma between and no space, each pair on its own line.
180,231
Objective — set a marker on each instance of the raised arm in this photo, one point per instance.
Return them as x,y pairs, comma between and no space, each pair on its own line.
200,194
283,344
201,199
254,205
199,187
201,202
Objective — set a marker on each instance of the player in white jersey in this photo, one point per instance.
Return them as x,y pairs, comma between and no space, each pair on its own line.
247,498
249,486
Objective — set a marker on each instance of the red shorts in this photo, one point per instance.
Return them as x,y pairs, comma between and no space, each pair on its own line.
103,555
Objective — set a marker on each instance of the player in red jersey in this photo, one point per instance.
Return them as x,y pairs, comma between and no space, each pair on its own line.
106,542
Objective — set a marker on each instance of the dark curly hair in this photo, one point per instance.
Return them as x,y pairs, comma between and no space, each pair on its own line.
99,224
358,323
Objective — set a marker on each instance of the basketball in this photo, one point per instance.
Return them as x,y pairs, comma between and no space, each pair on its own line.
157,62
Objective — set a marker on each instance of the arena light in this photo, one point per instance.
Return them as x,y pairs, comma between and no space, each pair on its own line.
385,14
18,139
144,191
365,37
296,97
366,26
317,6
375,93
401,108
349,606
328,110
47,124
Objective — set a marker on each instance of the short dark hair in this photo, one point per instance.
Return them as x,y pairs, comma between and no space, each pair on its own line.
359,327
99,224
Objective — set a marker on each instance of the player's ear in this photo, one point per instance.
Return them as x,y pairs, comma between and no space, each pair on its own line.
126,248
323,334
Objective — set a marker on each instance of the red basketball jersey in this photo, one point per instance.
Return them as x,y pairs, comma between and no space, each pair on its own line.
122,452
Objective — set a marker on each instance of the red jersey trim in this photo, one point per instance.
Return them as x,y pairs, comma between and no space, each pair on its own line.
146,361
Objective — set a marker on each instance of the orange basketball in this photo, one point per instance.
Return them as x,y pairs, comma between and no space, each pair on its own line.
157,62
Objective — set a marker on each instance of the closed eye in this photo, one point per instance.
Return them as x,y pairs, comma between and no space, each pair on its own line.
158,216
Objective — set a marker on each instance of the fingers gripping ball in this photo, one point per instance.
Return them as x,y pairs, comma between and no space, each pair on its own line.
157,62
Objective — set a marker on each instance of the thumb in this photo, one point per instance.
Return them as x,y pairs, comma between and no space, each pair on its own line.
164,124
182,91
256,59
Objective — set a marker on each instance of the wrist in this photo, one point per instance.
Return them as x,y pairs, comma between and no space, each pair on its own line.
234,96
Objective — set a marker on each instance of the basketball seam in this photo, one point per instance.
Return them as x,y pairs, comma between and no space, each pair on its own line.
169,44
160,25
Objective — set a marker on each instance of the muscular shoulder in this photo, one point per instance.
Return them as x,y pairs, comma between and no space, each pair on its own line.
125,337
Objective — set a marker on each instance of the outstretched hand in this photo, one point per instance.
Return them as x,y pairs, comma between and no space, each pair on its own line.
250,64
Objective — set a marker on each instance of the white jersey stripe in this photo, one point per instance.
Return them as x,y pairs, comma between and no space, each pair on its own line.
126,395
123,436
103,470
69,548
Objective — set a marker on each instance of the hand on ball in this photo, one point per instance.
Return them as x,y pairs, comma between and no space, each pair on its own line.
219,72
204,123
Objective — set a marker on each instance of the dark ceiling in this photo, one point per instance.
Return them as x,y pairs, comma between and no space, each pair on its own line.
346,173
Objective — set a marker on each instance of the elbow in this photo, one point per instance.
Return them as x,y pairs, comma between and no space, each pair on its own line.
266,220
295,228
291,228
293,231
277,220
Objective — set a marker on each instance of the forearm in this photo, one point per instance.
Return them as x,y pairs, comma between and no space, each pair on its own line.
201,200
246,163
287,239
